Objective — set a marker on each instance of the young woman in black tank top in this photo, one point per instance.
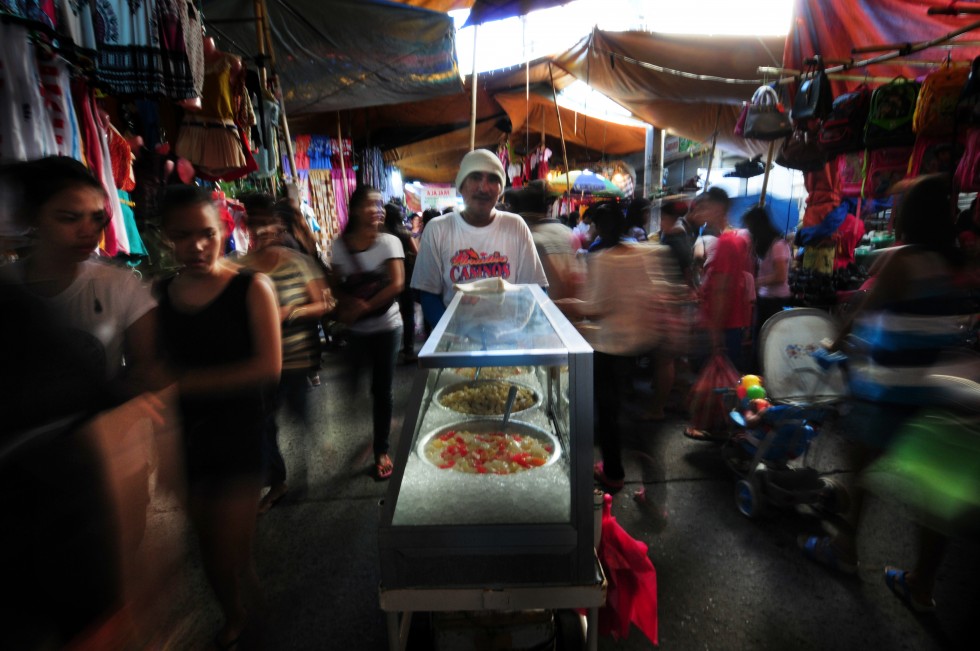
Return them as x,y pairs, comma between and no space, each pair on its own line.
219,329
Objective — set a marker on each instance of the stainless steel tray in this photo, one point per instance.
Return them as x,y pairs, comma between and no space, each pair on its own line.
482,425
449,388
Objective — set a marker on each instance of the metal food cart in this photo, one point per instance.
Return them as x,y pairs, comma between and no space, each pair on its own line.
502,539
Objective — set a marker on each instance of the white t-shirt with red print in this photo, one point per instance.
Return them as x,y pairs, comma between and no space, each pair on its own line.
453,252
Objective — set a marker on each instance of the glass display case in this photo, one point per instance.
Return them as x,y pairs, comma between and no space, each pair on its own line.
473,502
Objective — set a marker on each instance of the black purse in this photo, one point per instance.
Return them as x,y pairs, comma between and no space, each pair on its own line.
815,98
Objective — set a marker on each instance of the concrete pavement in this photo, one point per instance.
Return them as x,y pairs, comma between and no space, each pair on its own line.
725,582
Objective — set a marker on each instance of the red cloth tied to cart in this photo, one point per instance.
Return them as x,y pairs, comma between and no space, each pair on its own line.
631,593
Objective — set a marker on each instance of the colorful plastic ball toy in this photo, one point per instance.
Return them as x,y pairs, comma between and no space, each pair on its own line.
750,381
740,391
755,392
759,405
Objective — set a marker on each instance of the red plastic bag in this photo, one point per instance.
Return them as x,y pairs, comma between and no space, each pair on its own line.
707,406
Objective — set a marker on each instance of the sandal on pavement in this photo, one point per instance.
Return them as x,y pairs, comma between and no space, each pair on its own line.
820,549
273,497
696,434
383,467
612,485
897,581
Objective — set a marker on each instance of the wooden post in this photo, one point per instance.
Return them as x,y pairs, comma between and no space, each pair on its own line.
265,47
473,101
343,165
765,178
561,132
714,143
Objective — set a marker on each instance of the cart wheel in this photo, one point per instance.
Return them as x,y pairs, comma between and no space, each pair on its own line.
569,631
748,499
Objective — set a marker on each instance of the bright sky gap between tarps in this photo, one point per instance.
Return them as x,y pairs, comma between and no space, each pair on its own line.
513,41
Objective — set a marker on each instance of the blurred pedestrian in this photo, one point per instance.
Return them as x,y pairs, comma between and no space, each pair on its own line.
621,298
367,277
554,241
303,299
638,218
773,255
915,315
394,224
219,330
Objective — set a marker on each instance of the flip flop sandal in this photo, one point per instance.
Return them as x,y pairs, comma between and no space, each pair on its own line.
897,581
612,485
704,436
821,550
384,467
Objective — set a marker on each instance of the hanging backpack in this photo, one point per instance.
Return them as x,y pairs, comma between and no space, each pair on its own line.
843,128
884,168
933,155
850,173
967,177
935,108
890,117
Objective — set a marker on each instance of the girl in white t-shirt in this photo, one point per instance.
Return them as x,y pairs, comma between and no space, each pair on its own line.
107,306
368,275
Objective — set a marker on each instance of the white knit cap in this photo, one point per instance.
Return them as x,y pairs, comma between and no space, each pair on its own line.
480,160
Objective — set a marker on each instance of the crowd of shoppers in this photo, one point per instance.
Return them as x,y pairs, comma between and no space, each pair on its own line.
237,340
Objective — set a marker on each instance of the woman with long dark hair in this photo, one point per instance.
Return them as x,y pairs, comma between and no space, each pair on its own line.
773,255
368,275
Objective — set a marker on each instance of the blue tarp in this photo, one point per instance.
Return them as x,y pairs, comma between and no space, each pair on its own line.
784,213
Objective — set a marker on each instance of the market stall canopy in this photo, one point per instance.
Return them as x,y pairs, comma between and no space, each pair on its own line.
342,54
831,28
438,5
436,160
536,112
682,83
485,11
501,94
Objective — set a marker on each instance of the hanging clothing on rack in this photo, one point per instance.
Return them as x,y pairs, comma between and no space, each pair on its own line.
56,89
181,48
121,155
136,247
75,23
211,139
267,143
143,49
26,132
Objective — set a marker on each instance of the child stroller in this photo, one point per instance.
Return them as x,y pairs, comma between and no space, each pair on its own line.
767,451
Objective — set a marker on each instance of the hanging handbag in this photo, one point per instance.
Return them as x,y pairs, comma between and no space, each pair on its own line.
766,119
800,151
815,97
